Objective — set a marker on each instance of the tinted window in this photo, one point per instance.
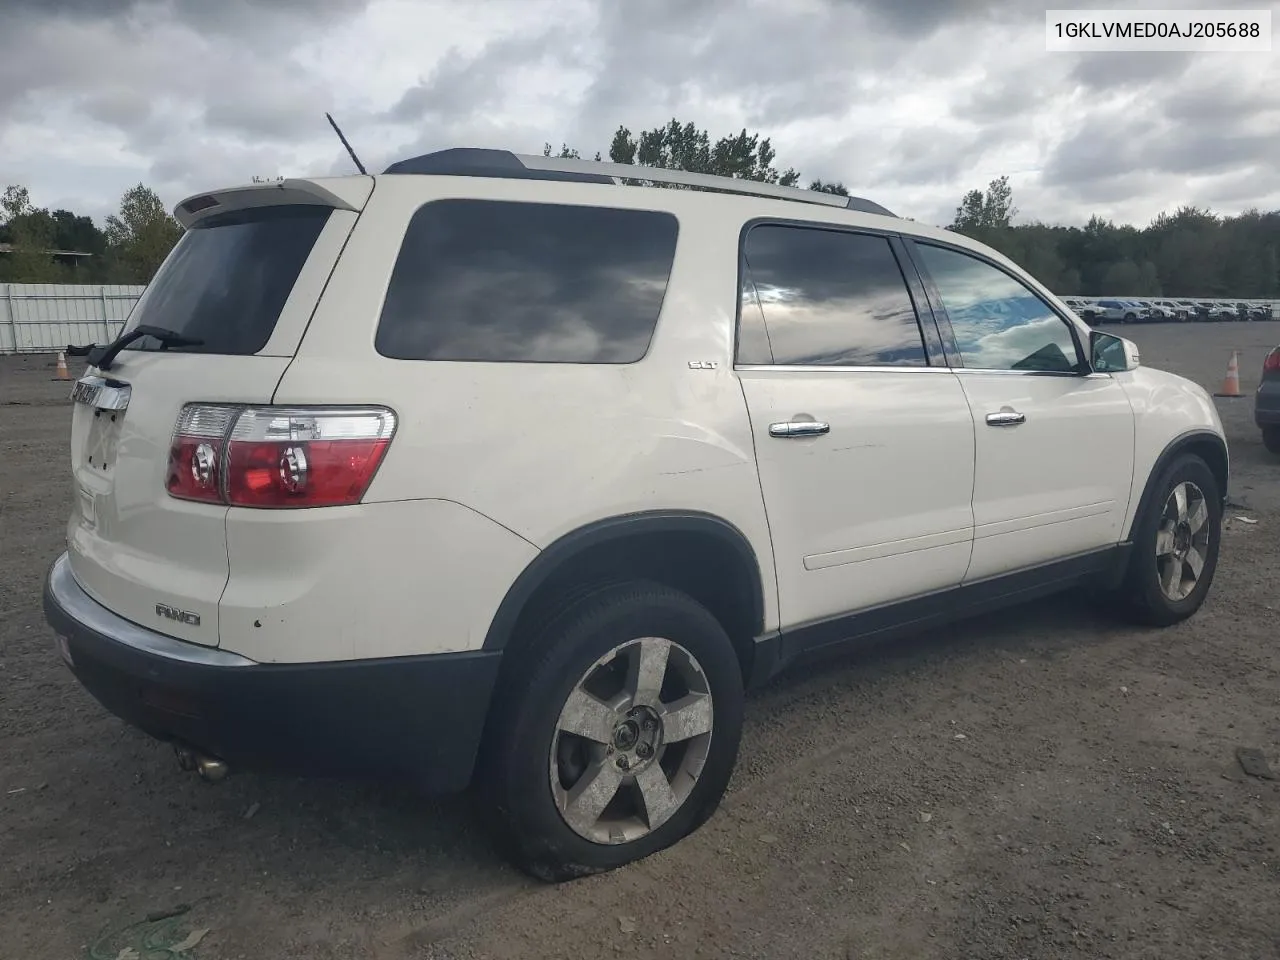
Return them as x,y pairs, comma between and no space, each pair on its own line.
831,298
753,338
491,280
999,324
229,277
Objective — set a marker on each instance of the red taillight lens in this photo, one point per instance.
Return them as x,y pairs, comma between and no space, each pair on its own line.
195,454
1272,363
295,456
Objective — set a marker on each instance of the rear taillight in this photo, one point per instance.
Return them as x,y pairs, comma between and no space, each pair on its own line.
195,455
277,456
1272,363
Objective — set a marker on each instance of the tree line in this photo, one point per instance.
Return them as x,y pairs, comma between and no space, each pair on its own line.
1188,253
49,246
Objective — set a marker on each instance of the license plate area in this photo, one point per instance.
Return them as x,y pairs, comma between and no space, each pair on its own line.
102,402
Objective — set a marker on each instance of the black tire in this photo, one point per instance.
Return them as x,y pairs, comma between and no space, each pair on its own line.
1271,439
1141,597
514,770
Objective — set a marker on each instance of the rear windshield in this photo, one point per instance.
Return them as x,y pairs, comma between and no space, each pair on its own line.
229,277
527,282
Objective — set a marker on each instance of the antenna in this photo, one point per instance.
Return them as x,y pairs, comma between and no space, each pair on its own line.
355,159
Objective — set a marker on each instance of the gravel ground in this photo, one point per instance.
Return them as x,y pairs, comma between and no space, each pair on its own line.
1042,783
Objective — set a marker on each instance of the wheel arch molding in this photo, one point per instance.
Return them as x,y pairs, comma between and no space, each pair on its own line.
1205,444
604,544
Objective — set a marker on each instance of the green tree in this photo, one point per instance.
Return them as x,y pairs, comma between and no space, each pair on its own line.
142,234
1124,278
835,187
678,146
566,152
30,232
992,210
79,233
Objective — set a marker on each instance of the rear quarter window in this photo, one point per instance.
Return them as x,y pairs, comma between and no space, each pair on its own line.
488,280
229,277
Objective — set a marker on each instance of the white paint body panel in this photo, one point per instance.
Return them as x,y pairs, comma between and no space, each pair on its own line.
131,545
372,580
876,510
1165,407
493,462
544,449
1055,485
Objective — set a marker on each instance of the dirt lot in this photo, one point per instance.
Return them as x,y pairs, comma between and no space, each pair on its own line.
1037,784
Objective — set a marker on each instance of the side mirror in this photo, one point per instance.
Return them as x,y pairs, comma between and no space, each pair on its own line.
1111,354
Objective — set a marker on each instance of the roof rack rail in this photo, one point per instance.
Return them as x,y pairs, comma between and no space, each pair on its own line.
477,162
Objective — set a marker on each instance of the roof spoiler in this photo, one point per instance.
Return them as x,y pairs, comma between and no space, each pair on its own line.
340,193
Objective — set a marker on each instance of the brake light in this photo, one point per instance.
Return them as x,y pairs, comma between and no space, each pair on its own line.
1272,363
195,454
280,456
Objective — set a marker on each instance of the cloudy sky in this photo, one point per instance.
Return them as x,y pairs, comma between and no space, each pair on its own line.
909,102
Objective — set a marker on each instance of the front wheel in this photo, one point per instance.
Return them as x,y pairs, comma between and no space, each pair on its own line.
1271,438
616,736
1175,545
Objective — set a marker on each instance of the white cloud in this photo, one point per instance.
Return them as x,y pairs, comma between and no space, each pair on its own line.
910,104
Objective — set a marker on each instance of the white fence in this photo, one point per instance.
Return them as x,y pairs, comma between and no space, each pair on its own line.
45,317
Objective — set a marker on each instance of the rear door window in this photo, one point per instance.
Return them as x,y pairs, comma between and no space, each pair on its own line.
817,297
228,278
527,282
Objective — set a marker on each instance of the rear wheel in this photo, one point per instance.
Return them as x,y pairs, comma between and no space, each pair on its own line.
616,735
1271,438
1175,545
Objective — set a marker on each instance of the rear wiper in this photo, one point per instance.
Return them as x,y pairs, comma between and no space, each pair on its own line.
103,356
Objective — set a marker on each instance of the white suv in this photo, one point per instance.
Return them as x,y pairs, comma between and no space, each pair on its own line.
497,469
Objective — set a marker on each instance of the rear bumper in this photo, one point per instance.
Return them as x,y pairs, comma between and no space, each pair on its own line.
418,719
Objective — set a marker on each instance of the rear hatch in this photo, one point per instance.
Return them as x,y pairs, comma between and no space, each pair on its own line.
243,280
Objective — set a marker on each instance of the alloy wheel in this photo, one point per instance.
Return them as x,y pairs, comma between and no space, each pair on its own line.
631,741
1182,541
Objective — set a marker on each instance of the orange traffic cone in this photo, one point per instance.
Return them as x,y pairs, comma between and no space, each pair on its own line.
1231,385
63,373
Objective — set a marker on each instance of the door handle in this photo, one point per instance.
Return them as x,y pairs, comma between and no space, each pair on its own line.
799,428
1006,418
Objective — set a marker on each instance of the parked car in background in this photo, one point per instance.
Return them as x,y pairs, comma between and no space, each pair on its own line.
1121,311
1266,402
1224,311
1193,309
1254,310
1214,312
491,468
1169,310
1081,308
1156,312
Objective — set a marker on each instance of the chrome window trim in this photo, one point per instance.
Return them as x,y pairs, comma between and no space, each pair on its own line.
769,367
793,367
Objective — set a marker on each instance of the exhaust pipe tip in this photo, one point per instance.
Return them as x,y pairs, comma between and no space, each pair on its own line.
186,757
211,770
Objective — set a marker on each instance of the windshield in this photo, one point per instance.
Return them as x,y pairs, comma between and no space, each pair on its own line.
228,278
